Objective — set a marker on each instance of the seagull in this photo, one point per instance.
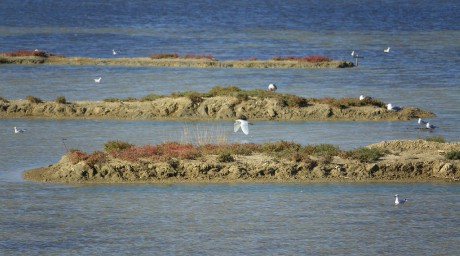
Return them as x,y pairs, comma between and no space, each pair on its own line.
387,50
397,201
272,87
393,108
362,97
16,130
429,126
421,122
97,80
243,123
114,52
353,54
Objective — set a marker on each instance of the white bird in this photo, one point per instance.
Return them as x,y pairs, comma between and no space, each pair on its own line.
429,126
97,80
114,52
393,108
272,87
421,122
387,50
362,97
241,123
353,53
397,201
16,130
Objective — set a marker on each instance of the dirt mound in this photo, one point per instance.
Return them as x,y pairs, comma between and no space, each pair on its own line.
211,108
401,164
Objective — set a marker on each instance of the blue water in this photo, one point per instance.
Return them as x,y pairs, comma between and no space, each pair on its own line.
422,70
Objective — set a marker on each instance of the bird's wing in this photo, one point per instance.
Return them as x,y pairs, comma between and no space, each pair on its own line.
245,127
236,125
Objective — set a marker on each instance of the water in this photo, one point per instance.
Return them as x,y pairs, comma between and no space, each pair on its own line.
258,219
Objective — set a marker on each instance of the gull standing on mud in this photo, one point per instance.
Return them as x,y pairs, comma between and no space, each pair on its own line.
272,87
97,80
362,97
393,108
241,123
397,201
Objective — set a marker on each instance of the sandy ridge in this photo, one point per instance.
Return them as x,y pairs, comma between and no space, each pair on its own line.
213,108
191,63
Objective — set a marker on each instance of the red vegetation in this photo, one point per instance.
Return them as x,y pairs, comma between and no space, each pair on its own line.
162,152
313,59
23,53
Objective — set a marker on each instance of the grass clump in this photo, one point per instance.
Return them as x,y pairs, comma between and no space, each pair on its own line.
226,157
3,99
151,97
164,56
342,103
436,138
312,59
453,155
365,154
115,145
33,99
60,100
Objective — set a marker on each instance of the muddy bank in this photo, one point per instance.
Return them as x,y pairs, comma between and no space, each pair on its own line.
212,108
415,160
190,63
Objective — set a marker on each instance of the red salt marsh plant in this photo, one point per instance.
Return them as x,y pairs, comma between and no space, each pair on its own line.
25,53
348,102
199,56
161,152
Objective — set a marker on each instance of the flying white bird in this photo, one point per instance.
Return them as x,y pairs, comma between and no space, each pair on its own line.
114,52
362,97
97,80
17,130
241,123
397,201
387,50
429,126
272,87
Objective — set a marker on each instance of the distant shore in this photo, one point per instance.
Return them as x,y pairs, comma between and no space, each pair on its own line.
190,63
408,161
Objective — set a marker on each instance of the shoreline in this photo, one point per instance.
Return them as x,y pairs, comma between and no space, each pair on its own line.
190,63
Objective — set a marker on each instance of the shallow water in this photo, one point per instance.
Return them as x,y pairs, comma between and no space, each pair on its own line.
228,219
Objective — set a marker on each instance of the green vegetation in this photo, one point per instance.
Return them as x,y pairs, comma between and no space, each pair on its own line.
244,95
224,152
33,99
115,145
436,138
60,100
365,154
453,155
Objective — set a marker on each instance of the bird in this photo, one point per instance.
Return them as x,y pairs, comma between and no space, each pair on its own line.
393,108
353,54
114,52
397,201
272,87
362,97
387,50
97,80
16,130
242,123
430,126
421,122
